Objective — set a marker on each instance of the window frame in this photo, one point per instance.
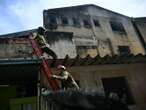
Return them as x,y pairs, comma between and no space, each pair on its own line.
117,27
54,20
124,50
76,22
64,21
96,23
87,23
119,86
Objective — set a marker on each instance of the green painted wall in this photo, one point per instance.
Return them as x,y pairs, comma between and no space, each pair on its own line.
6,93
18,103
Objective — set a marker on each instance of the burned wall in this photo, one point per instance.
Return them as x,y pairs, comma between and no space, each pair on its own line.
15,48
20,47
91,24
140,27
62,43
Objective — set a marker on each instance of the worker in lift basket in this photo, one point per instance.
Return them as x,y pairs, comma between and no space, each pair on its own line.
67,81
41,41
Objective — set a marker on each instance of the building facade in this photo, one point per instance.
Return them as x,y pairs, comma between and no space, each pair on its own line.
140,27
96,31
123,75
73,31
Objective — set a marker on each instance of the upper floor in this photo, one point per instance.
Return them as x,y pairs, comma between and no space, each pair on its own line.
83,30
99,29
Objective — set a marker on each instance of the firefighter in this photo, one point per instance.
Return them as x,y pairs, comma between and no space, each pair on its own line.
67,81
41,41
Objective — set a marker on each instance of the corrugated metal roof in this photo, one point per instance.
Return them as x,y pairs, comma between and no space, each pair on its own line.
19,61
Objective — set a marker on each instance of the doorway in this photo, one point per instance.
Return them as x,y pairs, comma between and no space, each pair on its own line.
119,86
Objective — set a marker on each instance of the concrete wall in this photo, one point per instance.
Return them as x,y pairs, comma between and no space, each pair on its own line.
142,27
140,24
91,77
97,36
15,48
61,43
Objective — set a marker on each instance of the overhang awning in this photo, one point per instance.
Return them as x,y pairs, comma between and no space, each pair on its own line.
18,70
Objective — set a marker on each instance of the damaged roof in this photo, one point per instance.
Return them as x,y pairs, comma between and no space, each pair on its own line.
116,59
18,34
78,61
27,33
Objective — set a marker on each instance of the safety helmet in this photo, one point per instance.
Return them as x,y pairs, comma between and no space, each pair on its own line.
61,67
41,30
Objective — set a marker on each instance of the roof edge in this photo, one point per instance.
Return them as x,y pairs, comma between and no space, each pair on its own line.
86,5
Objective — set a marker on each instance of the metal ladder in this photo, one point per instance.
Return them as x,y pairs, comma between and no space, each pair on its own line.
45,66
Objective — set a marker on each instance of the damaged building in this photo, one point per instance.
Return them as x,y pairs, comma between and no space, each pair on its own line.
102,49
96,31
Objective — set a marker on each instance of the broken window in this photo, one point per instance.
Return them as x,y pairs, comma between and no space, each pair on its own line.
52,20
118,88
64,21
87,23
124,50
96,23
117,27
52,23
76,22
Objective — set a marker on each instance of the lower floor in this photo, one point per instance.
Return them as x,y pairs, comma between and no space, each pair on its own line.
20,85
127,81
18,97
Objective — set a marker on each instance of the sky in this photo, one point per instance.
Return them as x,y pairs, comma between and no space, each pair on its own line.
20,15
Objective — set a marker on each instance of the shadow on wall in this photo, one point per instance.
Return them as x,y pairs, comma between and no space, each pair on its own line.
53,37
61,43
